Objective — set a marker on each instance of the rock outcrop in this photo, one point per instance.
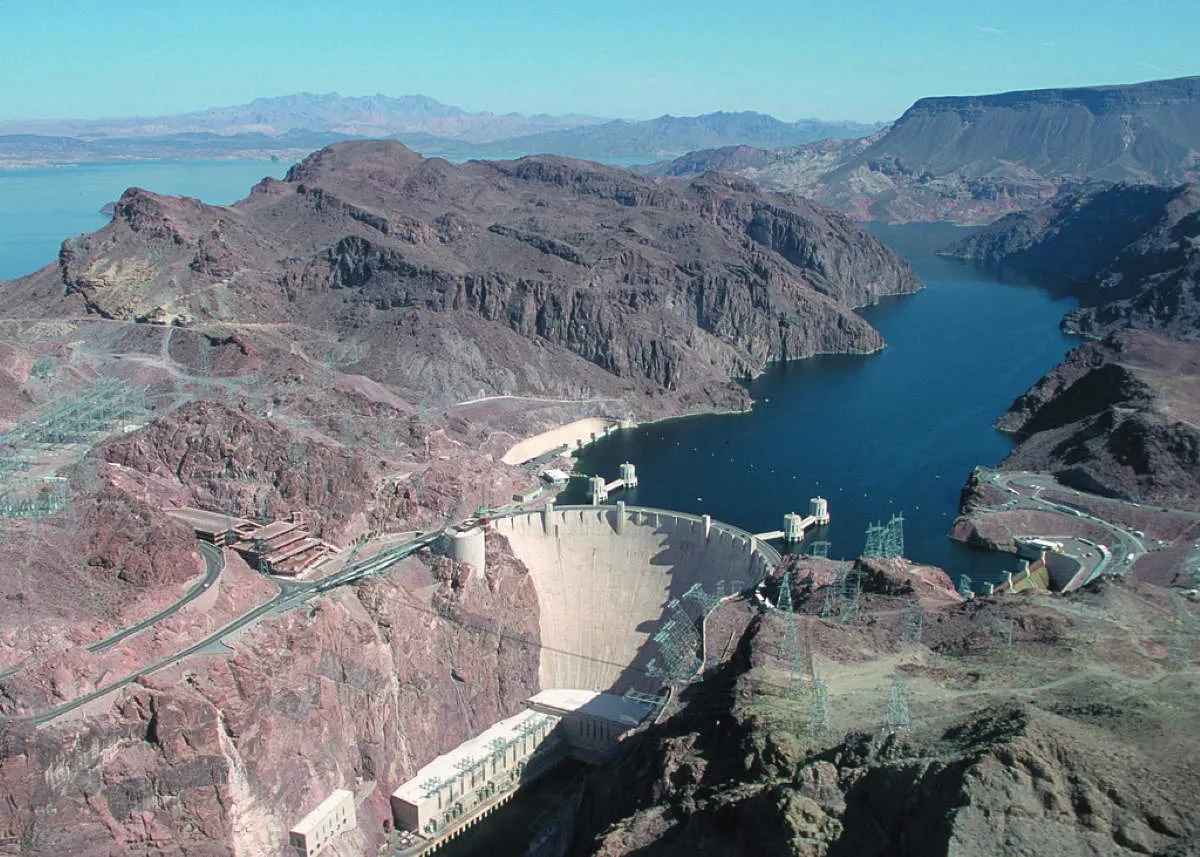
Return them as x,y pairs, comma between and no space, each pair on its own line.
742,771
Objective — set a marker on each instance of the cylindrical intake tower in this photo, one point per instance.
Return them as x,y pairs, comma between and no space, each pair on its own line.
468,547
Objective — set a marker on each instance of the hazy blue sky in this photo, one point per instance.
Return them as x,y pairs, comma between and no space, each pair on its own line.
852,59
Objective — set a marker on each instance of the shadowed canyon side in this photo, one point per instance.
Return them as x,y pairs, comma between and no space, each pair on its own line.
969,159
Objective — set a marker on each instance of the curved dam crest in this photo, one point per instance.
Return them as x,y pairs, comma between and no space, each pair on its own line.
606,577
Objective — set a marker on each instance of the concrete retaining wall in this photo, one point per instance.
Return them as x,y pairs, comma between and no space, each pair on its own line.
604,576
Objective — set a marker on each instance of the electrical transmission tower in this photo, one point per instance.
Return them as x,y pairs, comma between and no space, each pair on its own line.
912,623
897,710
832,606
819,549
893,538
843,598
678,639
851,598
791,638
818,716
706,601
876,535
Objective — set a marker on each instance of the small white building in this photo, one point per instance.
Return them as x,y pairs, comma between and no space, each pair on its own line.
317,829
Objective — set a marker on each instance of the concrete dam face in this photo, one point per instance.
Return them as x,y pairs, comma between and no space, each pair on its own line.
609,579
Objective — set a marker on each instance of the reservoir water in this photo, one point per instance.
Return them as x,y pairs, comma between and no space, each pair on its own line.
894,432
41,207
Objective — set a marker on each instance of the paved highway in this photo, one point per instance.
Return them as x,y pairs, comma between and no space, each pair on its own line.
291,594
214,564
1123,546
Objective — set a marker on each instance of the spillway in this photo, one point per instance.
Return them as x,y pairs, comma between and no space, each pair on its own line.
605,576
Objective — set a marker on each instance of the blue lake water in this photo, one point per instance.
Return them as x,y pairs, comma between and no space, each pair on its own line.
894,432
41,207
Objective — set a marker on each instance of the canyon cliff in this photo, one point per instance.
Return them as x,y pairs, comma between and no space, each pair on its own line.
1118,415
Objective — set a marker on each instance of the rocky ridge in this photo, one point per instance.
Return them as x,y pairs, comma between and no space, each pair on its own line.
1020,768
540,263
969,159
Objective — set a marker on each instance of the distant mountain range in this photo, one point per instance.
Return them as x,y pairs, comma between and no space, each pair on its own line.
970,159
291,126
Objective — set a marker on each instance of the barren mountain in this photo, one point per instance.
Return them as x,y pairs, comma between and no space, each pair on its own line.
537,276
294,125
366,116
968,159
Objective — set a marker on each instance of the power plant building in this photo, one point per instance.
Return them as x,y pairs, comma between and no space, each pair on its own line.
317,829
493,762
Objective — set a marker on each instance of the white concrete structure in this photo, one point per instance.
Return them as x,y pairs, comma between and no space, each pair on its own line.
317,829
597,490
794,527
1033,548
468,546
474,773
604,576
629,475
556,476
592,724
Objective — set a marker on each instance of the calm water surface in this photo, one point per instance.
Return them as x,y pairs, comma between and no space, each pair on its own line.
896,432
41,207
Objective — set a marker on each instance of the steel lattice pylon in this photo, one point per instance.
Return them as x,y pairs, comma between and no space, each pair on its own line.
893,538
912,623
897,710
791,636
818,716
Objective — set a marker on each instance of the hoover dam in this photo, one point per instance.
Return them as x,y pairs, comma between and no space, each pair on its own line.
609,578
622,595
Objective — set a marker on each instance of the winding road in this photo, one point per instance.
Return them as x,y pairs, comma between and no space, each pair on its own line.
290,595
1124,546
214,564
